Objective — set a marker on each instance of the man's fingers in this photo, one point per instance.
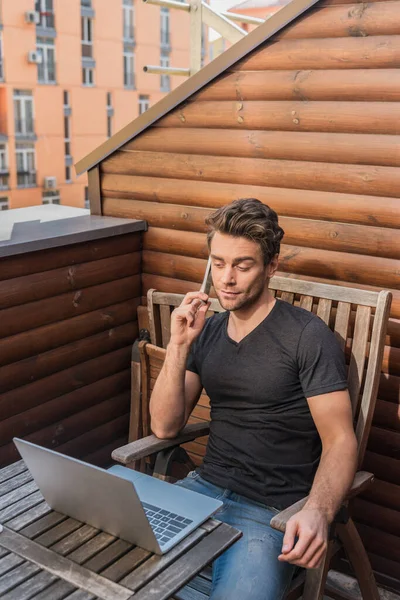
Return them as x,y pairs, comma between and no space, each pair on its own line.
190,296
289,537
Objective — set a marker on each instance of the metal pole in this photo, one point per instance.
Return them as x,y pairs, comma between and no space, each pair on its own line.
170,4
157,70
241,18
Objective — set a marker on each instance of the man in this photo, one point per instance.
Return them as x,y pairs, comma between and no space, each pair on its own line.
281,421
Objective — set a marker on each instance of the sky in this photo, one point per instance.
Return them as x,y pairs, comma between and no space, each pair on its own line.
220,6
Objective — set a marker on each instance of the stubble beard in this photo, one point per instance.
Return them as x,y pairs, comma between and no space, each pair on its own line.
244,303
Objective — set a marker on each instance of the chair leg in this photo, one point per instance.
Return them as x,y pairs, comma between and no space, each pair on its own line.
316,578
359,560
165,461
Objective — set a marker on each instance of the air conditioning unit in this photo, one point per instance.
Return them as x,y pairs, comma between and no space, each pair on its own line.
32,16
50,183
34,57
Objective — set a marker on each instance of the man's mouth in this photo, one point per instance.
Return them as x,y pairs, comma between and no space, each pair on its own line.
229,293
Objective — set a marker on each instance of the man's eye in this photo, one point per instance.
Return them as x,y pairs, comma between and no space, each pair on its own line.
218,265
243,268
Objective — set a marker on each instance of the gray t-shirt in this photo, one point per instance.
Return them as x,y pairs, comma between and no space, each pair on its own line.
263,442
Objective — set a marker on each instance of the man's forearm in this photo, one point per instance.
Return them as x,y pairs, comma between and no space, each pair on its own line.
167,404
333,478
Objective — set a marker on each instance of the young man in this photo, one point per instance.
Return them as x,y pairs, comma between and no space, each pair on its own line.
281,421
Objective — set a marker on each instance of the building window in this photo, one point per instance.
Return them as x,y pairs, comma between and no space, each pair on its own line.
86,3
68,175
144,104
165,80
4,203
87,37
51,197
109,126
67,136
87,201
46,13
26,170
165,37
110,114
129,69
66,98
47,67
4,173
87,76
23,112
128,20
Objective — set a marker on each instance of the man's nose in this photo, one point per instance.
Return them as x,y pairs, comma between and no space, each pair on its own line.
227,276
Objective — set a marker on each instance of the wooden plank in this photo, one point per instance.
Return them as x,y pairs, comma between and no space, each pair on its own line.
50,415
372,149
330,177
376,52
63,382
38,286
150,568
343,237
324,309
15,482
332,206
53,361
46,260
287,297
17,494
48,337
12,470
62,567
341,326
94,190
18,575
357,361
165,317
42,312
9,562
352,84
306,302
373,370
193,561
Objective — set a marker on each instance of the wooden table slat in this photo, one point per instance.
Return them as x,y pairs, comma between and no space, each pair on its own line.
15,495
30,517
89,551
62,567
58,532
16,576
15,482
28,589
12,470
180,572
20,507
10,561
155,564
75,540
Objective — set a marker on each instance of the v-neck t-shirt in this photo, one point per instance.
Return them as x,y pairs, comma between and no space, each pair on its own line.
263,442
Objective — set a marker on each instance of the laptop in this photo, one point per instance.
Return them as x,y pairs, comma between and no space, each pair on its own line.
138,508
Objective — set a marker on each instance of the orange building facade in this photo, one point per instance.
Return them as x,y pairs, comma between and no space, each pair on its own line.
71,75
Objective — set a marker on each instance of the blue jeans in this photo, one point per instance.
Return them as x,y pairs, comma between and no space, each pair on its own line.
248,570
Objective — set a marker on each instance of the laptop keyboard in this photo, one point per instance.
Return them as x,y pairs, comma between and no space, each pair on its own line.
165,525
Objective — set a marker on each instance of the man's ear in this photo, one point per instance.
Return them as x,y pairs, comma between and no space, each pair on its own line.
273,265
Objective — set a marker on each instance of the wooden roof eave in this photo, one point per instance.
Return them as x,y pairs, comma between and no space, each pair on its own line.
197,81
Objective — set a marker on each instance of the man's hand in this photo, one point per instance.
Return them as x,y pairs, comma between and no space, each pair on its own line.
310,527
188,319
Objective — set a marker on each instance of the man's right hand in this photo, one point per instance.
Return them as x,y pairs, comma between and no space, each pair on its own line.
188,319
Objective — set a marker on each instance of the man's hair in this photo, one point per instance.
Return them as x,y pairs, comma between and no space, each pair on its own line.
251,219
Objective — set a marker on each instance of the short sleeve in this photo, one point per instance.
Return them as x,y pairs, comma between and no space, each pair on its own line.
191,360
322,367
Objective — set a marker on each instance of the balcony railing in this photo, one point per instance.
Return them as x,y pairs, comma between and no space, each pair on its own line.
129,33
87,50
26,179
47,20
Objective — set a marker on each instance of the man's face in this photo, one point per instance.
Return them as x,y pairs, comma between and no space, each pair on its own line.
238,271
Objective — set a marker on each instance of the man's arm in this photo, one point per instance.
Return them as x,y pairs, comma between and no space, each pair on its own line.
333,418
177,390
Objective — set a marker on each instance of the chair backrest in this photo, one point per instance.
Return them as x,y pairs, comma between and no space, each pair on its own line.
357,317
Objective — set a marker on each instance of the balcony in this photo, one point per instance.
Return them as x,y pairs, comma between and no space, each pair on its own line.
26,179
4,176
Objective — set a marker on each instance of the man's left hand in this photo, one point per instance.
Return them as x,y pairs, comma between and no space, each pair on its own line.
310,527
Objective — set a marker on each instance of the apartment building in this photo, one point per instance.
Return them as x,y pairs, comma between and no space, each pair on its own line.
71,75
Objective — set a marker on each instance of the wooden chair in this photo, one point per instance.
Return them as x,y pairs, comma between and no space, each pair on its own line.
358,319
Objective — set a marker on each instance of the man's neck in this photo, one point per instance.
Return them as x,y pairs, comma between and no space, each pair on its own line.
242,322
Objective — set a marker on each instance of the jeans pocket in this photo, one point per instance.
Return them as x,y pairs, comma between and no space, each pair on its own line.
193,475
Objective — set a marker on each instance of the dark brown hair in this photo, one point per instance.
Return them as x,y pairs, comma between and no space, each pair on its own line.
251,219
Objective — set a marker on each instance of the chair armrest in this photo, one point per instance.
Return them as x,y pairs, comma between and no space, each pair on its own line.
152,444
362,480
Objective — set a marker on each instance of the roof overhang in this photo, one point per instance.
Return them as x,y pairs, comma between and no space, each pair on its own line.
196,82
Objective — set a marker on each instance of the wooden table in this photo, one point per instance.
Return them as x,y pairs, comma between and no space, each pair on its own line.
47,556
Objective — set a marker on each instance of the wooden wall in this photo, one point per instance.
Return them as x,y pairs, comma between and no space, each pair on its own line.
68,318
309,124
